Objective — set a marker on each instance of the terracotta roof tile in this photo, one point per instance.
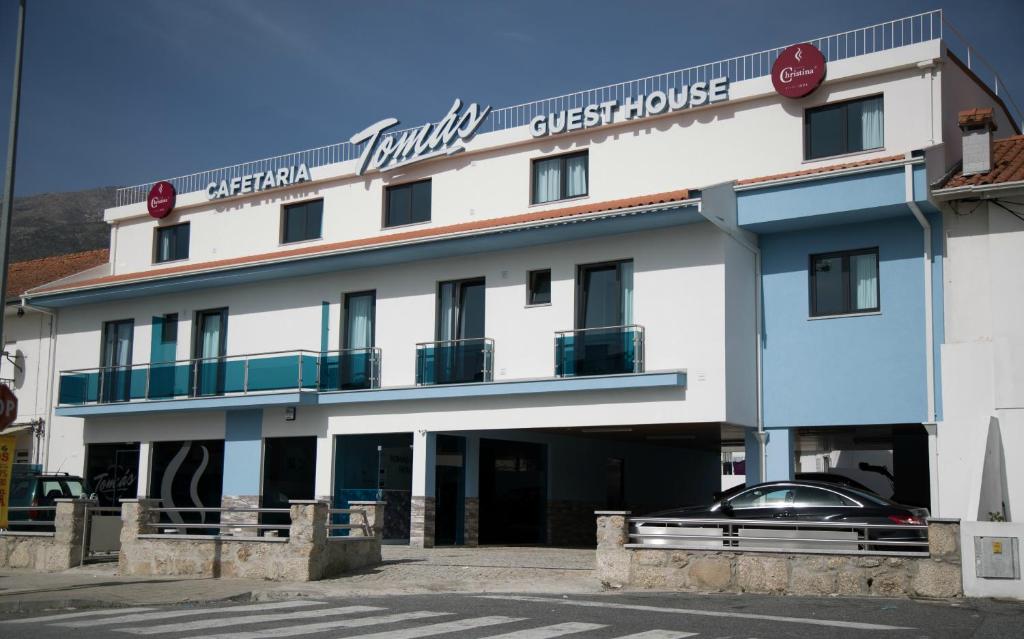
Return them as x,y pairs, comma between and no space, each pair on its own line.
976,116
22,276
420,233
1007,165
819,169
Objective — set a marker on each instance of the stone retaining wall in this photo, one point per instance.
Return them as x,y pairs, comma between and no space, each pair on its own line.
307,554
937,575
48,552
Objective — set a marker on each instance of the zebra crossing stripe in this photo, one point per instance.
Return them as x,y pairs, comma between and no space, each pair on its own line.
191,612
76,615
549,631
858,625
440,628
291,631
221,622
659,634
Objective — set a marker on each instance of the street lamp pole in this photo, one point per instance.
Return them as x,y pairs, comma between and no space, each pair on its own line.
12,145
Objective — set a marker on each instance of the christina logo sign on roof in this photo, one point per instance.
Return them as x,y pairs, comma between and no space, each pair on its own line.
447,137
798,71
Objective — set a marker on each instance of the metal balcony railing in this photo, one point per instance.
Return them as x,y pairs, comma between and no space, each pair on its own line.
228,375
457,361
606,350
884,36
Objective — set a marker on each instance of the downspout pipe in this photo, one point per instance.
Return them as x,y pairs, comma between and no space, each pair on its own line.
929,331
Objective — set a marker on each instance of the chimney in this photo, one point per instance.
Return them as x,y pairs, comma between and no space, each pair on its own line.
977,126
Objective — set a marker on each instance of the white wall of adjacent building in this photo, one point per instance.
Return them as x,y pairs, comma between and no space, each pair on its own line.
26,368
983,364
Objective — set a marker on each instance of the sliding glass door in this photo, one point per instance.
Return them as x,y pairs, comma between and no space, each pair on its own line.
115,360
358,336
460,331
208,350
604,342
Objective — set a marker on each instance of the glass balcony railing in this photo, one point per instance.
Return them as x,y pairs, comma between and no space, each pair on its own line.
227,375
608,350
457,361
352,369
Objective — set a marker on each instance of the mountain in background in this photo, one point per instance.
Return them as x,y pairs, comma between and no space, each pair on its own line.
58,223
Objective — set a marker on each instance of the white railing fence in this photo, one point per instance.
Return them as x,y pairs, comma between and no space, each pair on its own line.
767,535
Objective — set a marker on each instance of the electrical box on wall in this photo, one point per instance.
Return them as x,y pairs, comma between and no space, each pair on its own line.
996,557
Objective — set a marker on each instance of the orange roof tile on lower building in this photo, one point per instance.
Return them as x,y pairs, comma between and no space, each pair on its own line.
381,240
1007,166
821,169
23,276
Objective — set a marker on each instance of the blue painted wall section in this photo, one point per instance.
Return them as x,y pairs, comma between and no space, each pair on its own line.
325,323
243,450
846,370
779,454
159,350
753,456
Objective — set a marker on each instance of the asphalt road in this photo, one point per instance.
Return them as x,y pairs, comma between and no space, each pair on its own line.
615,615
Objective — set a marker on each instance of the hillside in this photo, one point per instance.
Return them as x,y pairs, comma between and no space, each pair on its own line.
58,223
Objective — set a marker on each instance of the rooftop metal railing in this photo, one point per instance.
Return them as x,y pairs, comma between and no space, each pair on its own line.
768,535
893,34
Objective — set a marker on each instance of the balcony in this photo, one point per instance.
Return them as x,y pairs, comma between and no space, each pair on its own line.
459,361
220,376
608,350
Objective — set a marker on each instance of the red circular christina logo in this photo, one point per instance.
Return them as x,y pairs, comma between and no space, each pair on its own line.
161,199
798,71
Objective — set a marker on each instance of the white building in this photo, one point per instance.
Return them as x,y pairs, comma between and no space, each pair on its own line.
521,315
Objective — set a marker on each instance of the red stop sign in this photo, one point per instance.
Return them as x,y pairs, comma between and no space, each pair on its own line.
8,407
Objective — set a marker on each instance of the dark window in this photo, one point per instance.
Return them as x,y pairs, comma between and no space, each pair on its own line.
302,221
846,127
460,310
358,325
560,178
807,497
540,287
845,282
407,204
169,329
604,294
781,497
172,243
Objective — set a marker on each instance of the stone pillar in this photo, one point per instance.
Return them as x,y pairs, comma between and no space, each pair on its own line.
243,451
779,462
424,465
941,575
374,518
307,540
471,511
69,529
137,518
612,557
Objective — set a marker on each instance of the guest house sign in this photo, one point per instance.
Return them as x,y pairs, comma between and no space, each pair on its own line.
639,106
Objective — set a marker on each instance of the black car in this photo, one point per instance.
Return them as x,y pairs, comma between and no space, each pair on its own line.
828,478
33,496
806,503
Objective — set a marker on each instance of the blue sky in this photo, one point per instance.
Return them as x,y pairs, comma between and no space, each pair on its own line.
120,92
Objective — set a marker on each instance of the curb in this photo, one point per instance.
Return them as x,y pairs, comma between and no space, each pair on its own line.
20,606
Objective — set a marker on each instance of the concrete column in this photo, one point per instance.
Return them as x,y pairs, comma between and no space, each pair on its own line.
753,456
243,457
424,466
145,465
324,486
471,517
374,518
933,468
779,462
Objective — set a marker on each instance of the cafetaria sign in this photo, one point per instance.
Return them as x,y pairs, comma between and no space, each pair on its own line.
255,182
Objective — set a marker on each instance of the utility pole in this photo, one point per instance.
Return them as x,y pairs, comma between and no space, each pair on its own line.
12,146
